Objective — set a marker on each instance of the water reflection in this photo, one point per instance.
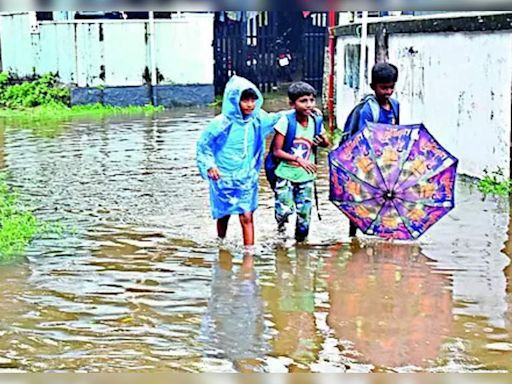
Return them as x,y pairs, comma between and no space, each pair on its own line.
291,304
469,244
233,324
15,313
389,304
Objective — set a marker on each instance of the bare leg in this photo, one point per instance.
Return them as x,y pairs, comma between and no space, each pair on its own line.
247,223
222,226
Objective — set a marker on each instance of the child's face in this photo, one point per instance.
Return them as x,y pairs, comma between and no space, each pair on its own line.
304,105
247,106
383,91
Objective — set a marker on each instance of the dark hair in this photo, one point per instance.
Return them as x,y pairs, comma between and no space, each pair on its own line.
299,89
249,93
384,73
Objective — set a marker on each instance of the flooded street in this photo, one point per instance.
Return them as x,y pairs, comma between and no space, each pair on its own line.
139,283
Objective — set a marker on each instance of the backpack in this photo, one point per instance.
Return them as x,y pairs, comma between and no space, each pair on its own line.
271,162
352,122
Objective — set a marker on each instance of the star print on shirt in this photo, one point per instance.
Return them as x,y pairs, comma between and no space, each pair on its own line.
302,148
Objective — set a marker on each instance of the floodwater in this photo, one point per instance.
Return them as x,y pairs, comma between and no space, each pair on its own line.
139,283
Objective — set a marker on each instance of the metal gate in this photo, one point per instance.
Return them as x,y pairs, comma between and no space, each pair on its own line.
250,44
315,40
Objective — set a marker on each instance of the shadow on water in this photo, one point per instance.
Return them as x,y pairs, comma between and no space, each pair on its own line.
142,286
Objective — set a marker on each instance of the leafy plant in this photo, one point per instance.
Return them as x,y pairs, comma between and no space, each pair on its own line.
18,225
4,79
495,183
43,91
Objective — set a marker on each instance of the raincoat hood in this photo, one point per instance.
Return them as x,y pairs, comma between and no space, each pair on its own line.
231,100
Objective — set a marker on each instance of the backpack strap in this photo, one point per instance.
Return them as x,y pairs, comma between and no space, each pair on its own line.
318,129
374,107
318,124
395,107
352,122
290,132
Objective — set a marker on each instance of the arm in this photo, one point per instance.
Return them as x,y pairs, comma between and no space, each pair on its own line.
268,120
204,153
279,153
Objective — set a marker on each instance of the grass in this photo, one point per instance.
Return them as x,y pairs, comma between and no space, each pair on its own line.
45,121
53,112
18,226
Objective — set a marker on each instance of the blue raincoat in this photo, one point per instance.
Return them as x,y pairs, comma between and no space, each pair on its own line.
236,147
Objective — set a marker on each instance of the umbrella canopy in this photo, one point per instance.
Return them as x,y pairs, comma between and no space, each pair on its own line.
392,181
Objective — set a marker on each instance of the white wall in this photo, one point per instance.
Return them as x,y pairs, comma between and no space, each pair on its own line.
79,49
458,84
185,49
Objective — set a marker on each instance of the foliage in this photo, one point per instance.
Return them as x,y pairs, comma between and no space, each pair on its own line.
335,135
4,79
104,110
43,91
52,113
18,226
495,183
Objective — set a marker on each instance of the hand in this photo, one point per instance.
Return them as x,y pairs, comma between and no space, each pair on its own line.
317,111
320,140
213,173
309,167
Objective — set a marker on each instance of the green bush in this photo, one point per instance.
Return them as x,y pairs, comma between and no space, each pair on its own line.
495,183
44,91
4,79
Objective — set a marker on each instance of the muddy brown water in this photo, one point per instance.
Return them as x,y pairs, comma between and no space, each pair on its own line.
141,285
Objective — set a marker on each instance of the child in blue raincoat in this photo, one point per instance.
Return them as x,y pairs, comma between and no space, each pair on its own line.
230,155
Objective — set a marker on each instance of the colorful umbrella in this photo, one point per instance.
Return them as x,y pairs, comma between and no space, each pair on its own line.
392,181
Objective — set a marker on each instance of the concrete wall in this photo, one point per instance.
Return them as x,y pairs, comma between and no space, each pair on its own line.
458,84
113,53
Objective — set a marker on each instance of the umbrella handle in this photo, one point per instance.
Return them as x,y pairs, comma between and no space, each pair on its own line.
315,191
